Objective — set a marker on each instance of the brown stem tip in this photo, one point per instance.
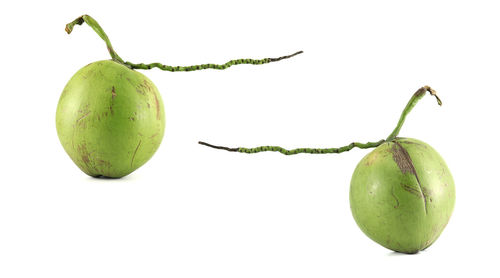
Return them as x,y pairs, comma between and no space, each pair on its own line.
218,147
433,93
285,57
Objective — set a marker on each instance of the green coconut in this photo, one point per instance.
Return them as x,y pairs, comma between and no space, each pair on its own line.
110,118
402,193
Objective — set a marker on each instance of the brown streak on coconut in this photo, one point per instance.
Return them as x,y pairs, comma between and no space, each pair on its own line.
405,164
395,198
133,156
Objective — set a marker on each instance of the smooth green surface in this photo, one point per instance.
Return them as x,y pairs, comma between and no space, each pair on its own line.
402,210
110,119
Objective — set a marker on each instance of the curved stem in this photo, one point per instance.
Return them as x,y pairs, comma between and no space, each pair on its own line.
298,150
209,66
97,28
413,101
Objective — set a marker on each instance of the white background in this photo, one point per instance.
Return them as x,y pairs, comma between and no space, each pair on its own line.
192,211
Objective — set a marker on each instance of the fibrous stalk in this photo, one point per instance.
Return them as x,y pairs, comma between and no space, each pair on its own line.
411,103
98,29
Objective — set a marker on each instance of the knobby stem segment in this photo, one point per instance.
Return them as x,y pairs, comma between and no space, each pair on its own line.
97,28
298,150
209,66
413,101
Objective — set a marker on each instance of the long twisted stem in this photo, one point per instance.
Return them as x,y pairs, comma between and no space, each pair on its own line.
298,150
413,101
210,66
97,28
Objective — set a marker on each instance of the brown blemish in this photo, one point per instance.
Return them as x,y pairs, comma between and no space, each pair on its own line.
83,116
153,136
405,164
395,198
157,103
113,93
142,88
133,156
85,156
402,159
427,192
130,81
145,87
85,159
85,111
104,163
412,190
140,91
371,158
441,175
